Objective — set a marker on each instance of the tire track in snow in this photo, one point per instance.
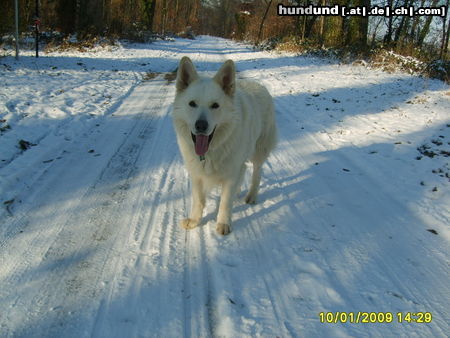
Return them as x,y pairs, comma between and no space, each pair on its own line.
146,240
199,290
203,277
156,247
217,294
156,271
77,255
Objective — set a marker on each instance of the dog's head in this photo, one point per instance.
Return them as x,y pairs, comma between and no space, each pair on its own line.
204,107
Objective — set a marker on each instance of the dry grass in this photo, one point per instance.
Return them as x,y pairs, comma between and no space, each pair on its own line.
150,76
170,77
84,45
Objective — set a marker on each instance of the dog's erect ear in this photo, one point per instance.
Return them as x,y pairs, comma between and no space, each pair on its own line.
186,73
225,77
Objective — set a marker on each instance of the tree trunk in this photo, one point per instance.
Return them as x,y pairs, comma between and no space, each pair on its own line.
403,25
374,33
149,13
356,34
163,16
445,56
445,53
262,22
416,21
426,27
388,36
364,26
445,35
322,25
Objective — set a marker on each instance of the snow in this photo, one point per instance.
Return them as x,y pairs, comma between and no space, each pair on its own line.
352,216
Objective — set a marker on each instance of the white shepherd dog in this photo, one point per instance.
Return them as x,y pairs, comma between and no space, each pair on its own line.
220,124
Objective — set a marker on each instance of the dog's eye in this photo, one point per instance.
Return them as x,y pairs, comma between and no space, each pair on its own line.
193,104
215,105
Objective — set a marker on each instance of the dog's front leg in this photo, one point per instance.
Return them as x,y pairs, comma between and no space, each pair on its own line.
198,203
229,188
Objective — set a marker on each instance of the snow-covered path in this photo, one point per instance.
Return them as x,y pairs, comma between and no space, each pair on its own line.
351,217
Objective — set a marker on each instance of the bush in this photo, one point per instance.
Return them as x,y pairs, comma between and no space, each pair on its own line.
439,69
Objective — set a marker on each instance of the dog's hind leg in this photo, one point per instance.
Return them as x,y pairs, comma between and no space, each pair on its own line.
240,180
198,203
265,144
254,188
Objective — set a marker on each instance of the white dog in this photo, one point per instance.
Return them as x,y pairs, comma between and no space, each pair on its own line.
220,124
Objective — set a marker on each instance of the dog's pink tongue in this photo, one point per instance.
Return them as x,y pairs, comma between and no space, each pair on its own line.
201,144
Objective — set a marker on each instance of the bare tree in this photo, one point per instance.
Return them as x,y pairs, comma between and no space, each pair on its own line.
403,26
415,25
356,32
149,12
443,53
388,36
261,25
426,27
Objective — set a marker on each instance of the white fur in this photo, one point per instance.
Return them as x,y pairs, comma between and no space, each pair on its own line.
245,130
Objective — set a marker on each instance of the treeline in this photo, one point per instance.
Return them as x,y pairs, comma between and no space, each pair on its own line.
426,37
417,34
104,17
253,20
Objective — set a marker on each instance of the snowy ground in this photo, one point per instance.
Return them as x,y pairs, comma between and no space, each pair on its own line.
352,216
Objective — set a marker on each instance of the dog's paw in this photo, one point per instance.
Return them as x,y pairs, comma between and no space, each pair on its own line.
189,223
250,199
223,229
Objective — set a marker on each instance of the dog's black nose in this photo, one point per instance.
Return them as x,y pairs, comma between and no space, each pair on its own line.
201,126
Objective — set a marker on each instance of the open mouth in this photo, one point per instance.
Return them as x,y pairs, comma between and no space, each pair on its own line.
202,142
